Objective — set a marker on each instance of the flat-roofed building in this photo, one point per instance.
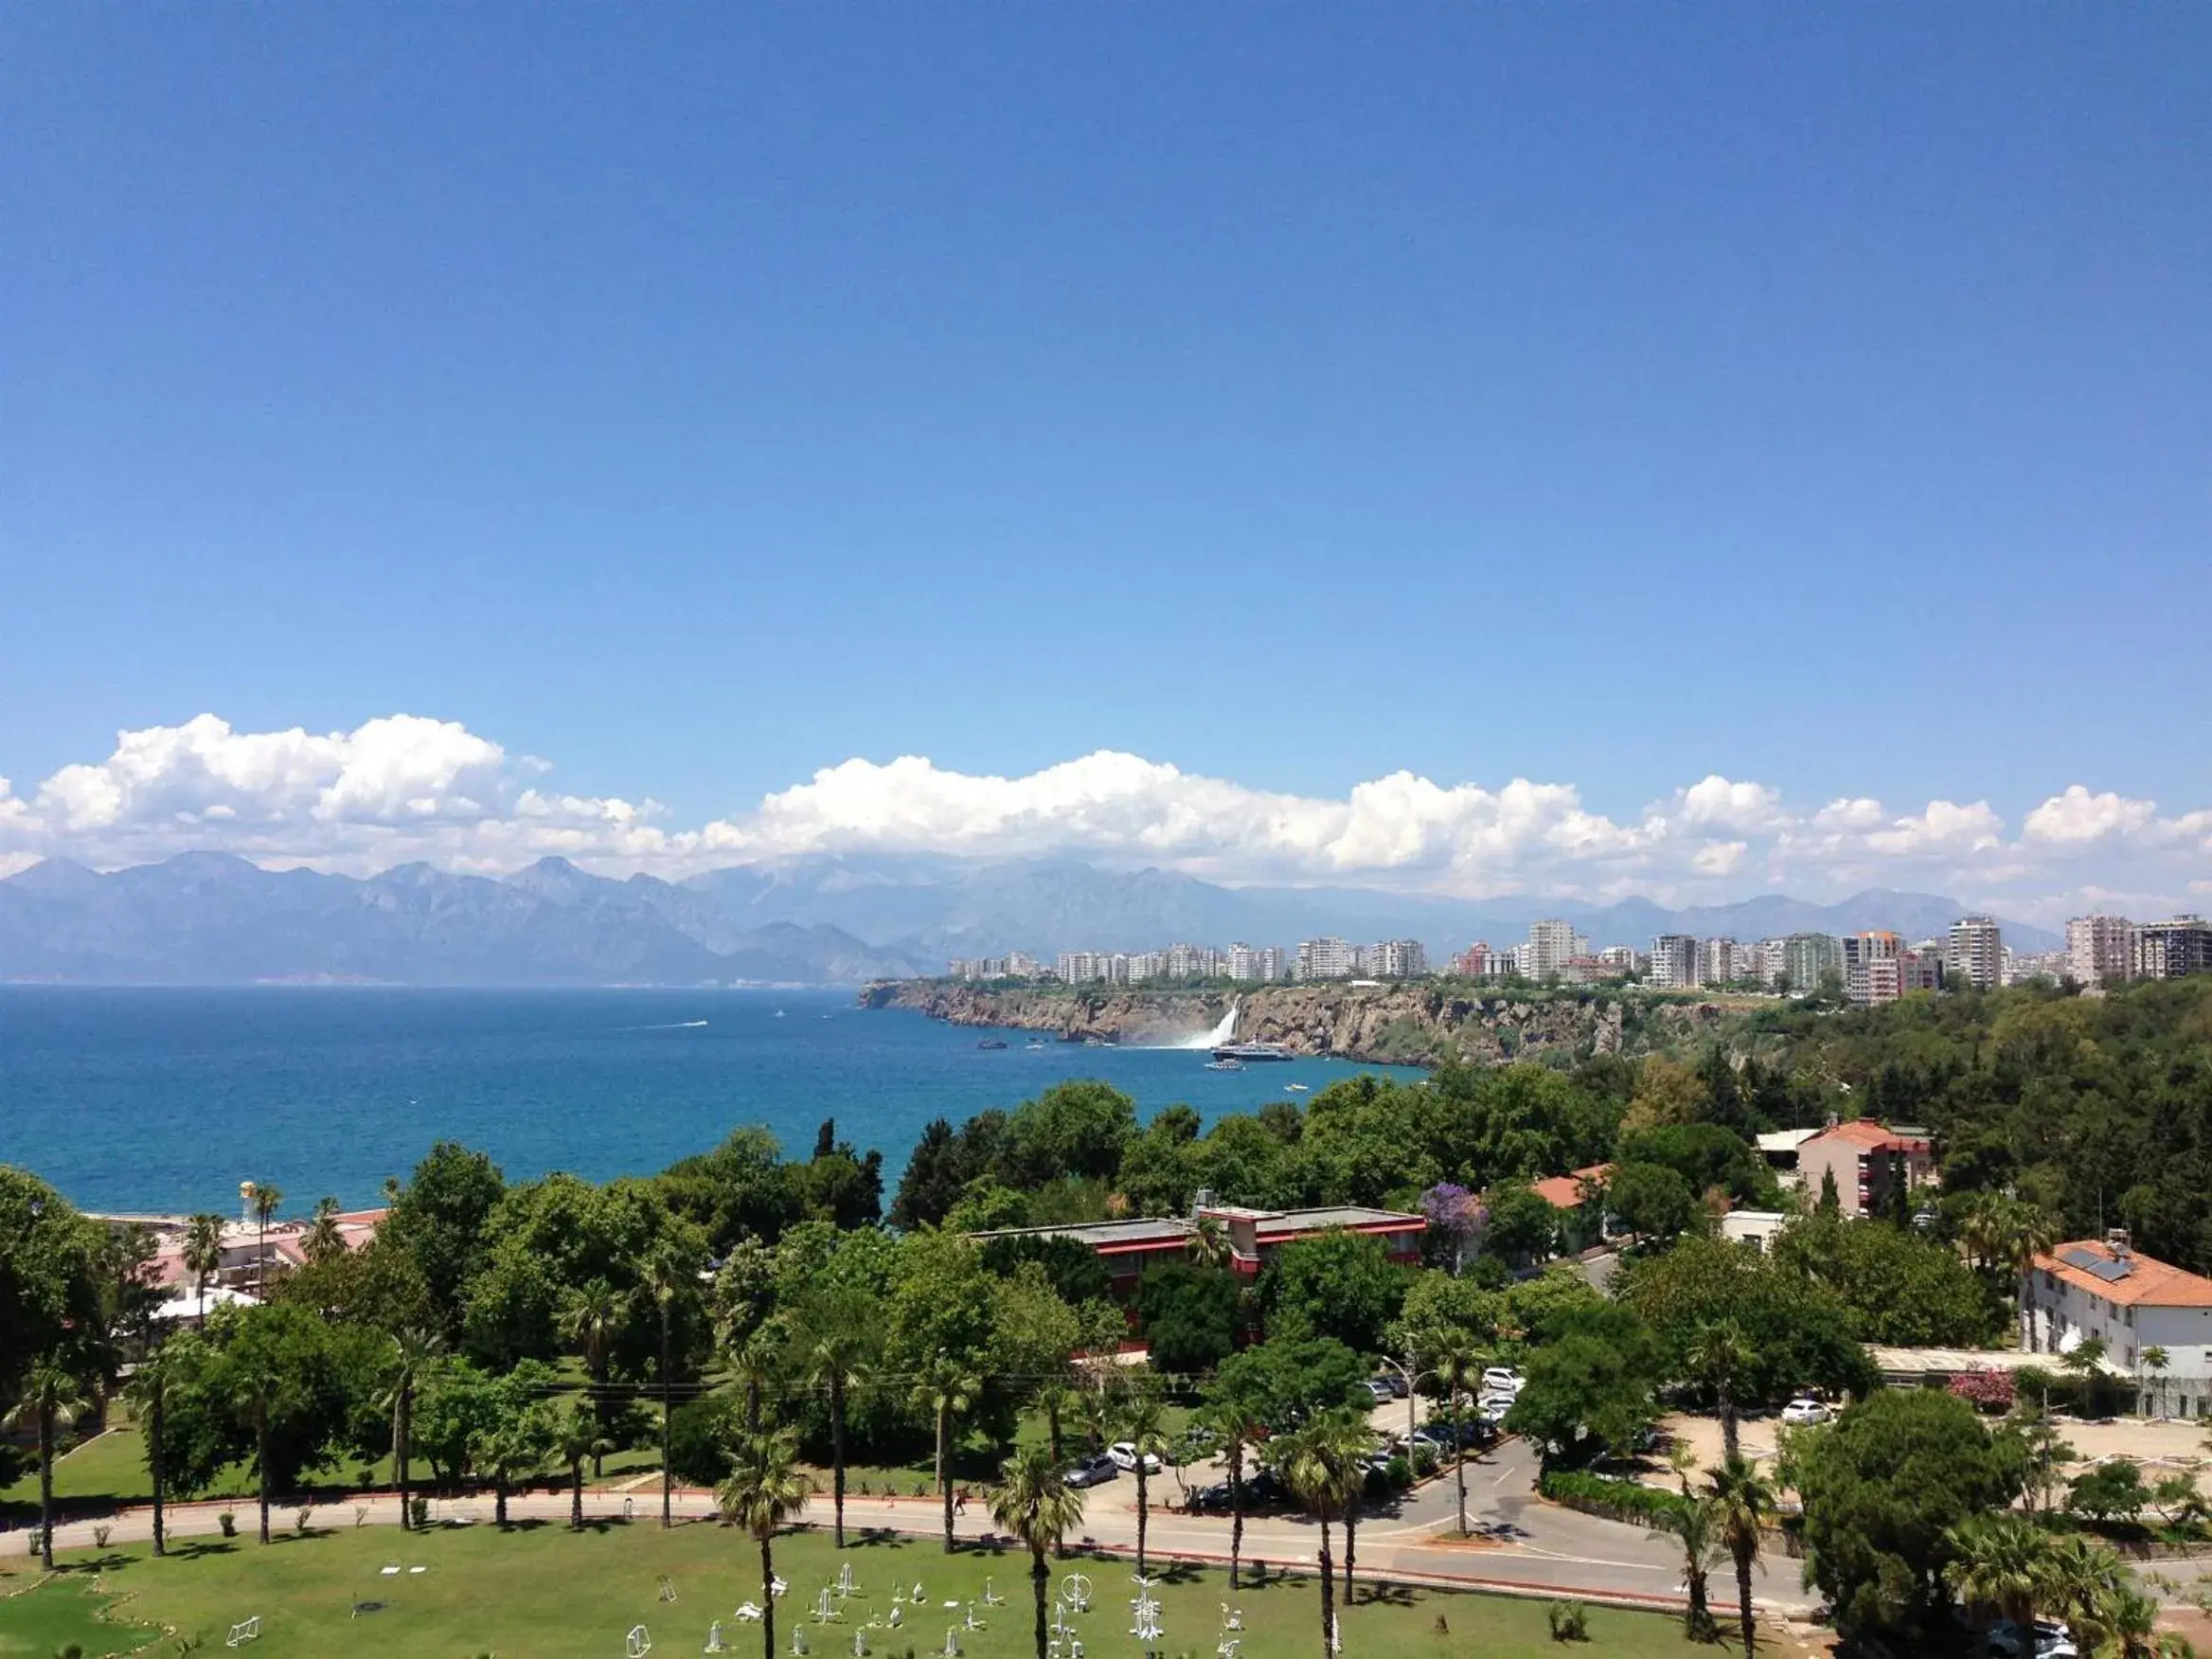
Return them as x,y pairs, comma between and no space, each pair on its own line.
2100,949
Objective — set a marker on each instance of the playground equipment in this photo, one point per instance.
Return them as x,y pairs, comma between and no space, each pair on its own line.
952,1647
798,1642
826,1612
973,1623
1227,1648
244,1631
714,1639
749,1612
777,1587
1075,1592
668,1589
846,1587
1232,1617
990,1596
637,1644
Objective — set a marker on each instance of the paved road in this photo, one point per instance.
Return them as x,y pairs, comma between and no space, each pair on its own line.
1521,1544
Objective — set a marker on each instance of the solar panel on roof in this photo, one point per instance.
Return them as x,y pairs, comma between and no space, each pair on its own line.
2104,1267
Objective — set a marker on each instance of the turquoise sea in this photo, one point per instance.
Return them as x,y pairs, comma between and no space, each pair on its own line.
166,1099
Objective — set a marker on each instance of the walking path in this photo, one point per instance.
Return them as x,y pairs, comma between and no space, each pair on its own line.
1521,1544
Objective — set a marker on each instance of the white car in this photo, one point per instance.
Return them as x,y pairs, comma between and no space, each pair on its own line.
1502,1380
2053,1640
1805,1409
1124,1455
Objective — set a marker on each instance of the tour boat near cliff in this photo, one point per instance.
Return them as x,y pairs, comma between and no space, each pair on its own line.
1252,1051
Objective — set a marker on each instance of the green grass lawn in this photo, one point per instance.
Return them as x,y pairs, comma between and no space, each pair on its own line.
542,1591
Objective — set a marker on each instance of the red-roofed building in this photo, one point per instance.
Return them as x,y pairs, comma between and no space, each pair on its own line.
2107,1291
1869,1161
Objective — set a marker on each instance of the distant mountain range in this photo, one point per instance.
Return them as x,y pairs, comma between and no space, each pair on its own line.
211,918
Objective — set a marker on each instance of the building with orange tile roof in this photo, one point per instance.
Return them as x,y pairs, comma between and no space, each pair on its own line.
1868,1160
2108,1291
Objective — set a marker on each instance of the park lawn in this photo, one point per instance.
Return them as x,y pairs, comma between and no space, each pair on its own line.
109,1468
540,1592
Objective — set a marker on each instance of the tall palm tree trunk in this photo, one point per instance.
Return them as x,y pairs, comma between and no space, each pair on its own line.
156,1455
402,1428
46,1487
668,1474
767,1599
1327,1590
599,1376
1459,1468
1236,1514
1351,1523
1141,1515
1040,1576
262,1458
838,1455
1730,1439
945,1470
1743,1602
1052,1427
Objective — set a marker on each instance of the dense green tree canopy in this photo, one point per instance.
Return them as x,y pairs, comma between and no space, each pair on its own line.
1280,1384
1800,1333
1190,1315
1883,1487
1337,1284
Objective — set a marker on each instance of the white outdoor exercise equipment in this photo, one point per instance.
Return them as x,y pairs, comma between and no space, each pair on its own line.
846,1587
1232,1617
245,1631
990,1596
667,1588
714,1642
637,1644
1075,1592
749,1612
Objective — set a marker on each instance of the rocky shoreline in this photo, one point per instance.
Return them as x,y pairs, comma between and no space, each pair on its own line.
1415,1025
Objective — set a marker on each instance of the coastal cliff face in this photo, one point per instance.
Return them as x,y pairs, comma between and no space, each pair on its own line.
1409,1023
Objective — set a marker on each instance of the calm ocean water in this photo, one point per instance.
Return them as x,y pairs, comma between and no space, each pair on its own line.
166,1099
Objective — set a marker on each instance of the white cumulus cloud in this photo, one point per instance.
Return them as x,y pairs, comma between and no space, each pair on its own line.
402,786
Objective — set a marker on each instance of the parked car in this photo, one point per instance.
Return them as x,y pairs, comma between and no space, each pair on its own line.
1502,1380
1805,1409
1092,1471
1124,1455
1380,1391
2053,1640
1394,1380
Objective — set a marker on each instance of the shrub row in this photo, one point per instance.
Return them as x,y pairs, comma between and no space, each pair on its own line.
1612,1500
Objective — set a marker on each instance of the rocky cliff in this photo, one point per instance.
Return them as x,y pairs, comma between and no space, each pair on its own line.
1410,1023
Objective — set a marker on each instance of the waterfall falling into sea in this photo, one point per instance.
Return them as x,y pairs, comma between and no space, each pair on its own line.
1224,1032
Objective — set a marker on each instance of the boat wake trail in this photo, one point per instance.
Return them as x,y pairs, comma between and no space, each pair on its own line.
671,1025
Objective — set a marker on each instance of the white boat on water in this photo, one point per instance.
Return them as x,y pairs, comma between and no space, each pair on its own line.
1294,1088
1224,1065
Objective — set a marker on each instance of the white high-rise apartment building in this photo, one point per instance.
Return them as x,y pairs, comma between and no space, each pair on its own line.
1620,958
1808,959
1325,959
1550,943
1401,959
2168,950
1275,965
1975,955
1716,961
2100,949
1244,964
1674,962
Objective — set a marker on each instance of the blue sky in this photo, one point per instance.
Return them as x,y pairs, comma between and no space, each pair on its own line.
696,397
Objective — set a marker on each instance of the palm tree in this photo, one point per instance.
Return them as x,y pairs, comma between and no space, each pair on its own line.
1236,1433
665,1277
148,1392
414,1352
766,1488
1744,1502
591,1319
266,1200
1694,1525
1350,1443
1144,1426
576,1439
323,1241
834,1351
2080,1578
1034,1501
1058,1400
510,1450
753,1366
947,1390
257,1390
1720,1355
1305,1460
1457,1365
1210,1245
2001,1561
53,1398
1101,1410
2154,1360
2029,1231
202,1256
